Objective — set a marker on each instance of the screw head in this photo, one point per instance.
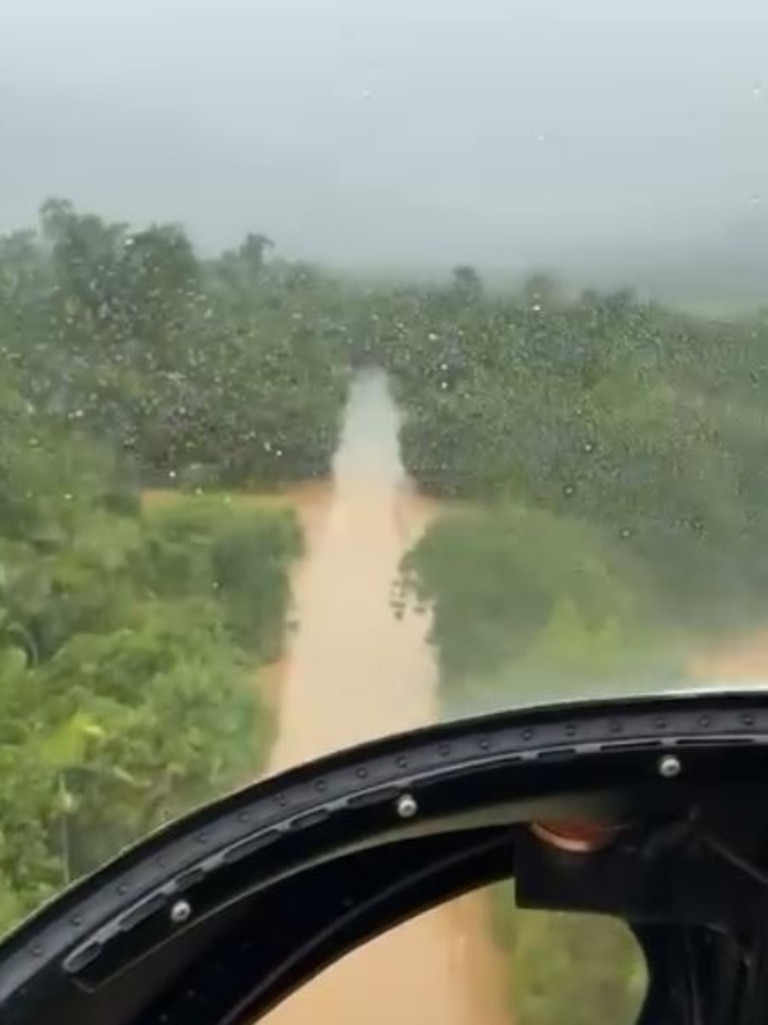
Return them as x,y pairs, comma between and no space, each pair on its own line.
670,766
406,806
180,912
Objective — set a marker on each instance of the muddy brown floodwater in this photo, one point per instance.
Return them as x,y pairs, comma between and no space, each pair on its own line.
354,672
743,661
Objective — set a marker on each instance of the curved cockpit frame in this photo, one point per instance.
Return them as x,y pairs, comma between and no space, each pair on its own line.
220,916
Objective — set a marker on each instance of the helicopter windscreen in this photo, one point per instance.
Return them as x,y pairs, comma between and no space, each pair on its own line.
368,367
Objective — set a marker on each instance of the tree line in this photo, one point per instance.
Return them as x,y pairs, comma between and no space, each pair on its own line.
222,371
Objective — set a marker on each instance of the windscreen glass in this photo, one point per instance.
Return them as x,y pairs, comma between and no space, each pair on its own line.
365,363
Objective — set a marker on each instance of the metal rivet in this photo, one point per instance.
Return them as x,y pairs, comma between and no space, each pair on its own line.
180,911
669,766
406,806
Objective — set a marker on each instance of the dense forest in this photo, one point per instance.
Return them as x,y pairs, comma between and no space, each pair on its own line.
197,371
603,457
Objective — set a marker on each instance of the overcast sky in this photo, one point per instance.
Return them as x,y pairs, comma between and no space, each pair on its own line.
375,132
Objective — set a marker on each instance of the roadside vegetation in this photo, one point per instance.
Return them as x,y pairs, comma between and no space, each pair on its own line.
131,635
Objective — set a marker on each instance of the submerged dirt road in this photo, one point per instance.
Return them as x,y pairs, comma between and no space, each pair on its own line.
355,672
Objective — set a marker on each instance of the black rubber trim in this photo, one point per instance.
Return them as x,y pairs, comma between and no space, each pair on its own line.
255,839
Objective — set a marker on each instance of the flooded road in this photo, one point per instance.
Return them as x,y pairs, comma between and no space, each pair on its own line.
354,672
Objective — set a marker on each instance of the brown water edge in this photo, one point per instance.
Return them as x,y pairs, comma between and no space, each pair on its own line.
309,500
